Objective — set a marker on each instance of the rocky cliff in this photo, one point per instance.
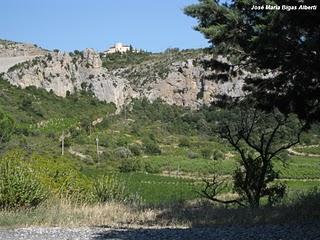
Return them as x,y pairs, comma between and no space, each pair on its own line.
177,79
12,53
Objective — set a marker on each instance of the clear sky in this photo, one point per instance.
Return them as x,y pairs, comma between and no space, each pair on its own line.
153,25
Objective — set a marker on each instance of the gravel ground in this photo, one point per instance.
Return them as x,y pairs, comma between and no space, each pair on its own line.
307,231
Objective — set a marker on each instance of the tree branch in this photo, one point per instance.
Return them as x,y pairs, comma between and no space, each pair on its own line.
214,187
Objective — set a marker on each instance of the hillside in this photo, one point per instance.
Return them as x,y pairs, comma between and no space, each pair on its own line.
177,77
147,159
12,53
145,137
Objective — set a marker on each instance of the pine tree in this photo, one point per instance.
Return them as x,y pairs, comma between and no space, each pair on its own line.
284,43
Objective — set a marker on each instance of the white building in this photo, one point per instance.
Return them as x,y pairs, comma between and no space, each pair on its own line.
118,47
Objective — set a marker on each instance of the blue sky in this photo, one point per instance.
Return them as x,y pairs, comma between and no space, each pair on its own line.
153,25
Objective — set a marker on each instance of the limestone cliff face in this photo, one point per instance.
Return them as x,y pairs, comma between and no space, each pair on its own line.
15,49
182,82
61,73
188,84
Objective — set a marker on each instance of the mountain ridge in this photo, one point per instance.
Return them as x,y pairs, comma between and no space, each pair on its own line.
176,77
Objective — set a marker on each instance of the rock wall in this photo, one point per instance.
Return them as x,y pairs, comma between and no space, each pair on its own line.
186,83
61,73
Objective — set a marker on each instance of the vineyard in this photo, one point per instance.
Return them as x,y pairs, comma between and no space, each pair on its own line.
161,153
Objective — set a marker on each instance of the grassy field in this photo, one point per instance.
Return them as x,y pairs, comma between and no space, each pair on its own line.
300,167
309,149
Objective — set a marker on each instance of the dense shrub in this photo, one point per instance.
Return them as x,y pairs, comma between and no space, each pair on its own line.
131,165
306,139
19,188
61,177
135,149
66,141
284,156
122,152
51,134
192,155
109,188
218,155
151,168
6,127
206,152
184,142
151,146
104,124
122,141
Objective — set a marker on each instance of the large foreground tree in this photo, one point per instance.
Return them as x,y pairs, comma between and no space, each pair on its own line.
259,138
283,43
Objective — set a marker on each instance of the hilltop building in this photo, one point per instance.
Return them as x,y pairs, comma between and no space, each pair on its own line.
118,47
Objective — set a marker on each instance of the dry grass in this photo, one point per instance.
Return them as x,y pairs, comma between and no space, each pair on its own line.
304,207
188,214
64,213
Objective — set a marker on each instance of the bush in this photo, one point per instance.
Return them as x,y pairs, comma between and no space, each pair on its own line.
122,142
151,168
131,165
151,147
18,186
61,176
306,139
104,141
51,135
109,188
184,142
206,153
135,149
218,155
67,142
122,152
284,156
104,124
192,155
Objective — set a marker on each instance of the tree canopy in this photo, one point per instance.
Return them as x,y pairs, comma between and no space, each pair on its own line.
259,138
282,44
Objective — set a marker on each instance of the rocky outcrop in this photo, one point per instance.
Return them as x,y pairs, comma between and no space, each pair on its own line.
15,49
188,84
64,74
182,82
12,53
92,59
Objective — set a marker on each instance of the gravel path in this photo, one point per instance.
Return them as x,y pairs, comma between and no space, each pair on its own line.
306,231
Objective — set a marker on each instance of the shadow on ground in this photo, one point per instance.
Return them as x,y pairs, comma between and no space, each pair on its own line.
297,221
152,234
203,214
306,231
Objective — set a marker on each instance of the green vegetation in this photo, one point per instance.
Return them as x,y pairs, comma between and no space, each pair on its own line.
77,150
153,155
31,105
142,67
18,186
309,150
257,45
6,127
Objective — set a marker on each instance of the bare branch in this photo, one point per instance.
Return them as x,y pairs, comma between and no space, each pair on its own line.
213,188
